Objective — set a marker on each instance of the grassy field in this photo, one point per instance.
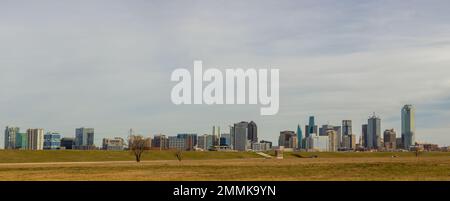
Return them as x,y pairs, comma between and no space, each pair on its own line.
220,166
25,156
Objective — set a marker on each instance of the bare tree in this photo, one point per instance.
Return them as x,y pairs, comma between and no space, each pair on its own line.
136,145
179,155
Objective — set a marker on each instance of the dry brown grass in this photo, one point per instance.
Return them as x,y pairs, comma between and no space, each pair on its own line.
360,168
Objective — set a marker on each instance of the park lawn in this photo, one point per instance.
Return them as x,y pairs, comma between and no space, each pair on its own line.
252,169
28,156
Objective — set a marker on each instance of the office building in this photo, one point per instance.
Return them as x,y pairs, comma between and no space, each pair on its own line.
332,140
225,139
84,139
288,139
408,126
21,141
116,144
261,146
67,142
252,132
190,140
390,139
348,142
160,142
216,135
10,137
205,141
374,132
177,143
364,136
268,142
299,137
347,127
315,142
35,139
52,140
311,127
241,142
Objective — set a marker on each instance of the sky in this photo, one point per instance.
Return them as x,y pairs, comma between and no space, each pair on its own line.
107,64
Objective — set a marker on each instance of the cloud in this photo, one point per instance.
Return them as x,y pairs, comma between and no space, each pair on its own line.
107,64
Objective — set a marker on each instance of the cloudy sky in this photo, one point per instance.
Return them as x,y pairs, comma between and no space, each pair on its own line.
107,64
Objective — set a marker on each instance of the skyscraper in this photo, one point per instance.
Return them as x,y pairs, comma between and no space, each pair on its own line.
216,136
35,139
241,142
10,137
252,132
299,137
347,127
364,135
408,126
288,139
389,137
374,132
311,125
84,138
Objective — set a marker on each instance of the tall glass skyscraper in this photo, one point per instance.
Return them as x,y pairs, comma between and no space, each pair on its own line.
311,125
408,126
374,132
299,137
10,137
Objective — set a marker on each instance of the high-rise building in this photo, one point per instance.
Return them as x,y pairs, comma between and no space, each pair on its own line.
52,140
316,142
374,132
408,126
160,142
288,139
21,141
205,141
348,142
190,140
332,140
241,142
311,127
323,130
364,135
299,137
216,135
35,139
347,127
10,137
177,143
390,138
84,138
116,143
252,132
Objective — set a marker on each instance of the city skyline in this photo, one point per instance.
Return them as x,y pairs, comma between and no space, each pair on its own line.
107,66
371,136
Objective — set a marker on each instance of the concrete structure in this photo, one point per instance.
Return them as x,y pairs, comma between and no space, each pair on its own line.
347,127
241,142
160,142
205,142
348,142
288,139
10,137
216,135
374,132
364,136
252,132
67,142
177,143
332,140
116,143
390,139
21,141
315,142
52,140
35,139
299,137
84,139
260,146
408,126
